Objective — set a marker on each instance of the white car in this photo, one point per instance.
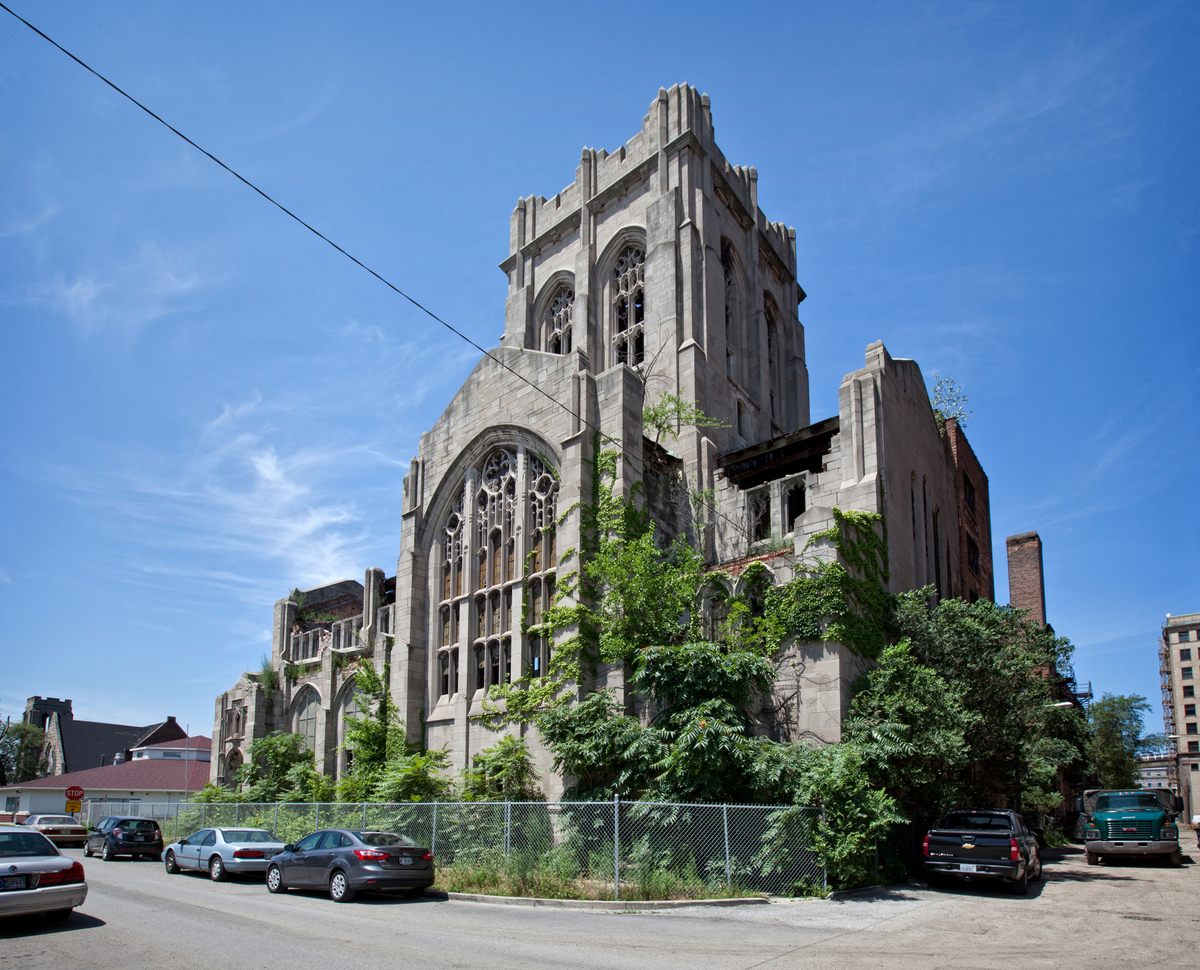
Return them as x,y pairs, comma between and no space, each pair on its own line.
35,877
223,852
59,829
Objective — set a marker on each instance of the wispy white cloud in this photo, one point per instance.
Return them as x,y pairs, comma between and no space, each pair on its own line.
153,284
302,118
1127,196
1104,458
1070,105
24,225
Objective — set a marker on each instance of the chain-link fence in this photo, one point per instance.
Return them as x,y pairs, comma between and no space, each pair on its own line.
618,849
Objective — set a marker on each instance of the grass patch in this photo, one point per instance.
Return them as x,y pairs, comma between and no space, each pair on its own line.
558,875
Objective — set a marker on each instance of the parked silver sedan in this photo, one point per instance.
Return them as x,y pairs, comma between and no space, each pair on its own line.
35,877
223,852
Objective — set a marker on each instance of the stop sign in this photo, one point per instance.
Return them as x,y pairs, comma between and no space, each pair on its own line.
74,794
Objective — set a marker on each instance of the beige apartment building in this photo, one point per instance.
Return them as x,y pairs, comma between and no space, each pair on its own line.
1178,664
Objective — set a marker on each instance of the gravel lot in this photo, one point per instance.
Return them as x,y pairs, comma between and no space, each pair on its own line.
137,916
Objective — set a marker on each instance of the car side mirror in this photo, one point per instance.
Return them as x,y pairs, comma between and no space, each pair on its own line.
183,841
290,847
1178,803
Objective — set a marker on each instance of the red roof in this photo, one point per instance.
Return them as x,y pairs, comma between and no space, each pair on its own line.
144,774
198,743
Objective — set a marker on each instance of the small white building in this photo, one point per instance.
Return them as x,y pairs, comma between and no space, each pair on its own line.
162,773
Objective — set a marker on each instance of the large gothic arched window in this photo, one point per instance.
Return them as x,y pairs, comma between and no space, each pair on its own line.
307,708
628,308
510,547
556,321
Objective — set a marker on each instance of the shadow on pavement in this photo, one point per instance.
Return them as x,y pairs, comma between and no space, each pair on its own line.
374,899
15,927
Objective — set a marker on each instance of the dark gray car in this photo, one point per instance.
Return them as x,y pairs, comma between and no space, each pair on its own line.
345,862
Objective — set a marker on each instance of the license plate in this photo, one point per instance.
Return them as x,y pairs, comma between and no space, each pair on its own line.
12,882
966,867
139,838
405,860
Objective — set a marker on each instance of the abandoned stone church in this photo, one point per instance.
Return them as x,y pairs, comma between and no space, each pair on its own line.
653,272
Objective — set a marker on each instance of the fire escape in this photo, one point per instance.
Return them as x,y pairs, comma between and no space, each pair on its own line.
1168,709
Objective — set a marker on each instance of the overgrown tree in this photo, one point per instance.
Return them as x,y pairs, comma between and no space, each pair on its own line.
949,401
912,728
1117,723
503,772
383,766
22,752
280,767
1004,667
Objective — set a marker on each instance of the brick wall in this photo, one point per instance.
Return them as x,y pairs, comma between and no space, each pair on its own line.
974,518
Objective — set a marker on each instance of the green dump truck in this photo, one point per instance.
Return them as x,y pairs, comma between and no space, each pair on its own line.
1131,822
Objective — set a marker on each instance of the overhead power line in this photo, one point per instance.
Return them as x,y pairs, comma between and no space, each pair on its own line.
325,239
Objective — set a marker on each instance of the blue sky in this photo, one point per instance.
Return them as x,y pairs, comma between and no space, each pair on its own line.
204,406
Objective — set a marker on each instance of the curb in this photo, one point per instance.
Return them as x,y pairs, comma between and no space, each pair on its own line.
602,904
850,893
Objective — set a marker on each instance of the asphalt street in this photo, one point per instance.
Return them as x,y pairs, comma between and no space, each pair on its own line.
138,916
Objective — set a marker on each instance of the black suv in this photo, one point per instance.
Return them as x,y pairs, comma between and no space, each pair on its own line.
124,835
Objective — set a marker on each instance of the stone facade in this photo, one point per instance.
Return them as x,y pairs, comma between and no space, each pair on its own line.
654,272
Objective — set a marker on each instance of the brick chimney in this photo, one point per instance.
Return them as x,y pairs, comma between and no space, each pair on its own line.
1026,586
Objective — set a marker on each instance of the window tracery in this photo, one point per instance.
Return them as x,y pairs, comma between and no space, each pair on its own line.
629,306
513,500
556,323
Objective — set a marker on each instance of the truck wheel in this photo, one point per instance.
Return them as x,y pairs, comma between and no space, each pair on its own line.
1175,859
1020,887
1093,859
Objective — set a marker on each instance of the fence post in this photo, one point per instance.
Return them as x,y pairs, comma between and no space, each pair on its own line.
316,815
237,813
728,874
507,826
364,825
433,835
204,815
616,846
824,870
276,832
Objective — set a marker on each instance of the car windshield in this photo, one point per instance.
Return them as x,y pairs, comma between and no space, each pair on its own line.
382,838
1109,803
138,825
248,835
975,821
13,844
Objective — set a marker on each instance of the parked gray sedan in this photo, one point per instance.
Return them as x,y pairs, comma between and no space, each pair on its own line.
36,878
346,862
223,852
